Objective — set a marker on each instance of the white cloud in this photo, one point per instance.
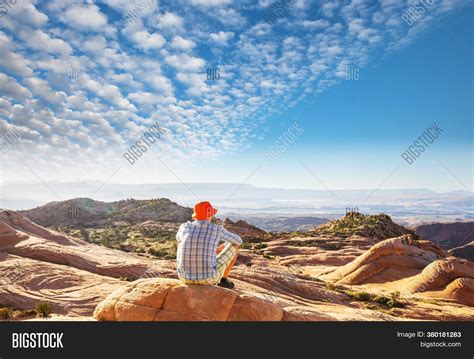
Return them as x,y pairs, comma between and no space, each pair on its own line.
170,20
110,93
12,61
182,43
95,44
221,37
159,82
40,40
208,3
87,17
185,62
148,98
11,88
147,41
42,89
195,82
27,13
316,24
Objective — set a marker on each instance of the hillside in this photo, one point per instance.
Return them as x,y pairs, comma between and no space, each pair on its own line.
379,226
90,213
466,251
448,235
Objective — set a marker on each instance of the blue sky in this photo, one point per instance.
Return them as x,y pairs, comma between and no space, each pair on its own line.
131,74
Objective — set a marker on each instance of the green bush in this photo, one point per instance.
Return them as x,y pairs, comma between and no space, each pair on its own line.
43,310
361,296
246,245
391,302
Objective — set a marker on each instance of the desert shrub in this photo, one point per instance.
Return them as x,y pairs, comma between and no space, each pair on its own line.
6,313
391,301
164,252
84,234
43,309
157,234
260,246
362,296
246,245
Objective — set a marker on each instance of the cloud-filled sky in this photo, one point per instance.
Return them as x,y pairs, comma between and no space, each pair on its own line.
81,81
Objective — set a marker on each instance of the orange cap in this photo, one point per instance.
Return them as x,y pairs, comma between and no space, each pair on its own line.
203,211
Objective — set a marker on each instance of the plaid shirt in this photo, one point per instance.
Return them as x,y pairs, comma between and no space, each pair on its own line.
197,245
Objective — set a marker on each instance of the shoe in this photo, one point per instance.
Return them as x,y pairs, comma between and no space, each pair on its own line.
226,283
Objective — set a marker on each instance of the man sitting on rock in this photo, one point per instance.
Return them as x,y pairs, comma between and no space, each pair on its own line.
200,258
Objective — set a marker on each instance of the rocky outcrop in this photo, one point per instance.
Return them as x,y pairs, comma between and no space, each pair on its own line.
379,226
460,290
171,300
243,229
447,235
318,250
21,237
466,251
24,282
388,260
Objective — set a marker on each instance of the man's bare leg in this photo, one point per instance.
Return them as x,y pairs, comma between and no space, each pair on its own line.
224,282
229,267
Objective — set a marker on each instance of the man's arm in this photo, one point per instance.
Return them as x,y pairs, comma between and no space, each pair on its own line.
227,236
178,234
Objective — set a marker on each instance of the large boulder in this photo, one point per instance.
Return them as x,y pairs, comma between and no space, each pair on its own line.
161,299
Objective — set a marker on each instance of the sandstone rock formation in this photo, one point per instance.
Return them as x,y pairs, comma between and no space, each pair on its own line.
24,282
274,281
450,278
171,300
316,250
388,260
19,236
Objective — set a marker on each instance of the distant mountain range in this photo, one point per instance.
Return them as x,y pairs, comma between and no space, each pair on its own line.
406,206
